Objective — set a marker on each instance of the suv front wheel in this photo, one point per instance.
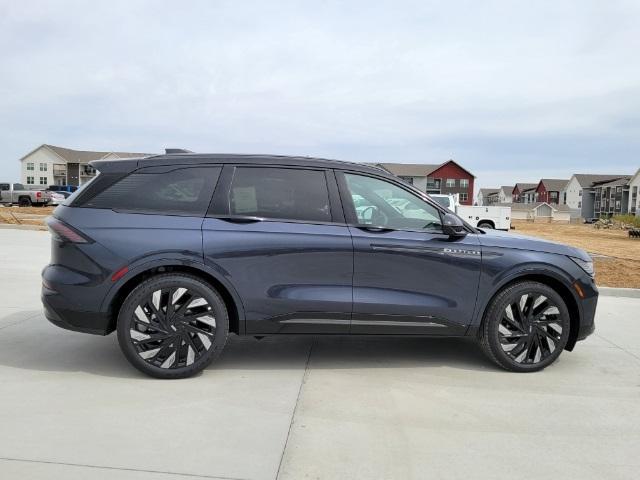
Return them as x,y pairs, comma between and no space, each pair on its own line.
526,327
172,325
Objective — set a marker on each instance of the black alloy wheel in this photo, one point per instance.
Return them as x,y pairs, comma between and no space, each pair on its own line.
172,326
526,327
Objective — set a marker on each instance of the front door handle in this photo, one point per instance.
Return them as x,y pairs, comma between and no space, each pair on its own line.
374,228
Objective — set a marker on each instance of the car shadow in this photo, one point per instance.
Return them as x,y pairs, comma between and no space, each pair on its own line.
28,341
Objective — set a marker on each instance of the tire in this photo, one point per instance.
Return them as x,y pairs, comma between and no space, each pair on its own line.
526,327
24,202
181,344
485,225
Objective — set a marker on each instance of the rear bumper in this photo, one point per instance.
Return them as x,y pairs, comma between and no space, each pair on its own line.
64,314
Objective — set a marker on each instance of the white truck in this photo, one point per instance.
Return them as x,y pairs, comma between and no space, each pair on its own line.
498,218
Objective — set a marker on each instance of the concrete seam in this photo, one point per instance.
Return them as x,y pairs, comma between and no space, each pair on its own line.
104,467
295,408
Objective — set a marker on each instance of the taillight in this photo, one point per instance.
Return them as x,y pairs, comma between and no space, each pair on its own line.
65,233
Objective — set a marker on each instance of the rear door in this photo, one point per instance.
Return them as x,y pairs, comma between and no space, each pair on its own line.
278,234
409,278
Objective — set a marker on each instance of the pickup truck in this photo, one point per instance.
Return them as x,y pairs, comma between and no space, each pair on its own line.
498,218
12,193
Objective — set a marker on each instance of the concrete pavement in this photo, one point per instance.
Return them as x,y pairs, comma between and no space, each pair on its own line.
298,407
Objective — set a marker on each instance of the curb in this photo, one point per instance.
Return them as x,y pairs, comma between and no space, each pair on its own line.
22,227
619,292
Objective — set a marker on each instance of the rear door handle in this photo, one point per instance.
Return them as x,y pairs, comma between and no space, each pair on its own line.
240,219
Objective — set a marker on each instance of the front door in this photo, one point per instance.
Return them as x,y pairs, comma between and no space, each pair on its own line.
276,236
409,278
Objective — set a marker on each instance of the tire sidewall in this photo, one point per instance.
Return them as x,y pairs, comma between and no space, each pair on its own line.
145,289
494,316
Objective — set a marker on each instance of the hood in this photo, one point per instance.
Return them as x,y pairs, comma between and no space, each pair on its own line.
496,238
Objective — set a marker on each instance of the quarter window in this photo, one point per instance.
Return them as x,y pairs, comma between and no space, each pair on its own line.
184,191
280,193
380,203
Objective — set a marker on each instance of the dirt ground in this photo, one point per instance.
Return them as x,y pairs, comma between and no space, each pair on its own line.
616,256
24,215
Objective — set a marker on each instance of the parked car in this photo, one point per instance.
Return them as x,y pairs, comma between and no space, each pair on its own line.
58,196
15,193
62,188
493,217
176,252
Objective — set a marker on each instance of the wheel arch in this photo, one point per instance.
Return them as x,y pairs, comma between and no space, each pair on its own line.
227,292
558,286
490,222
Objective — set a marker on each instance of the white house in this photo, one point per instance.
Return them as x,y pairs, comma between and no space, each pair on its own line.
484,194
504,194
51,165
540,212
634,194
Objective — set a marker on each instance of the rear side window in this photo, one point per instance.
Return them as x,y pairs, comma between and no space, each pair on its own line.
184,191
281,193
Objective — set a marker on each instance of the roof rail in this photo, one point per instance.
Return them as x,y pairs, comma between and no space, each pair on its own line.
169,151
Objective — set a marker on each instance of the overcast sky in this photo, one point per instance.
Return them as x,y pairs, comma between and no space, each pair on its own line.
514,91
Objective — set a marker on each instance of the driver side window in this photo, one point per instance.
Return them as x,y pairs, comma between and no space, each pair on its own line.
383,204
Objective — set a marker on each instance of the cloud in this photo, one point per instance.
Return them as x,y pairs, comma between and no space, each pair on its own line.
536,89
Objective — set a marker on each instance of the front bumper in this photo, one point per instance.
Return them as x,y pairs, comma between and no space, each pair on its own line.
588,306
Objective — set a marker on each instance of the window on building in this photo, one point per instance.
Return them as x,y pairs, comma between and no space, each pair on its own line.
464,183
30,166
281,193
617,204
409,180
43,180
618,189
30,180
579,204
451,182
580,192
464,196
43,167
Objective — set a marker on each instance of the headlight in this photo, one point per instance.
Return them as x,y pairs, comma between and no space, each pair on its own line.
587,266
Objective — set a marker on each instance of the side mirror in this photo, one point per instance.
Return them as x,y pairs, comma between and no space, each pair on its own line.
453,226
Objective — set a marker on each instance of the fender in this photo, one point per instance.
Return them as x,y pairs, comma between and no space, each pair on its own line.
496,283
157,260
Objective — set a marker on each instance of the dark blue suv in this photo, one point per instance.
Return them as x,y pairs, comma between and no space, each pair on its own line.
177,251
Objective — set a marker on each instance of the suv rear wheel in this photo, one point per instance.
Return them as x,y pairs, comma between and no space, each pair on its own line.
172,326
526,327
